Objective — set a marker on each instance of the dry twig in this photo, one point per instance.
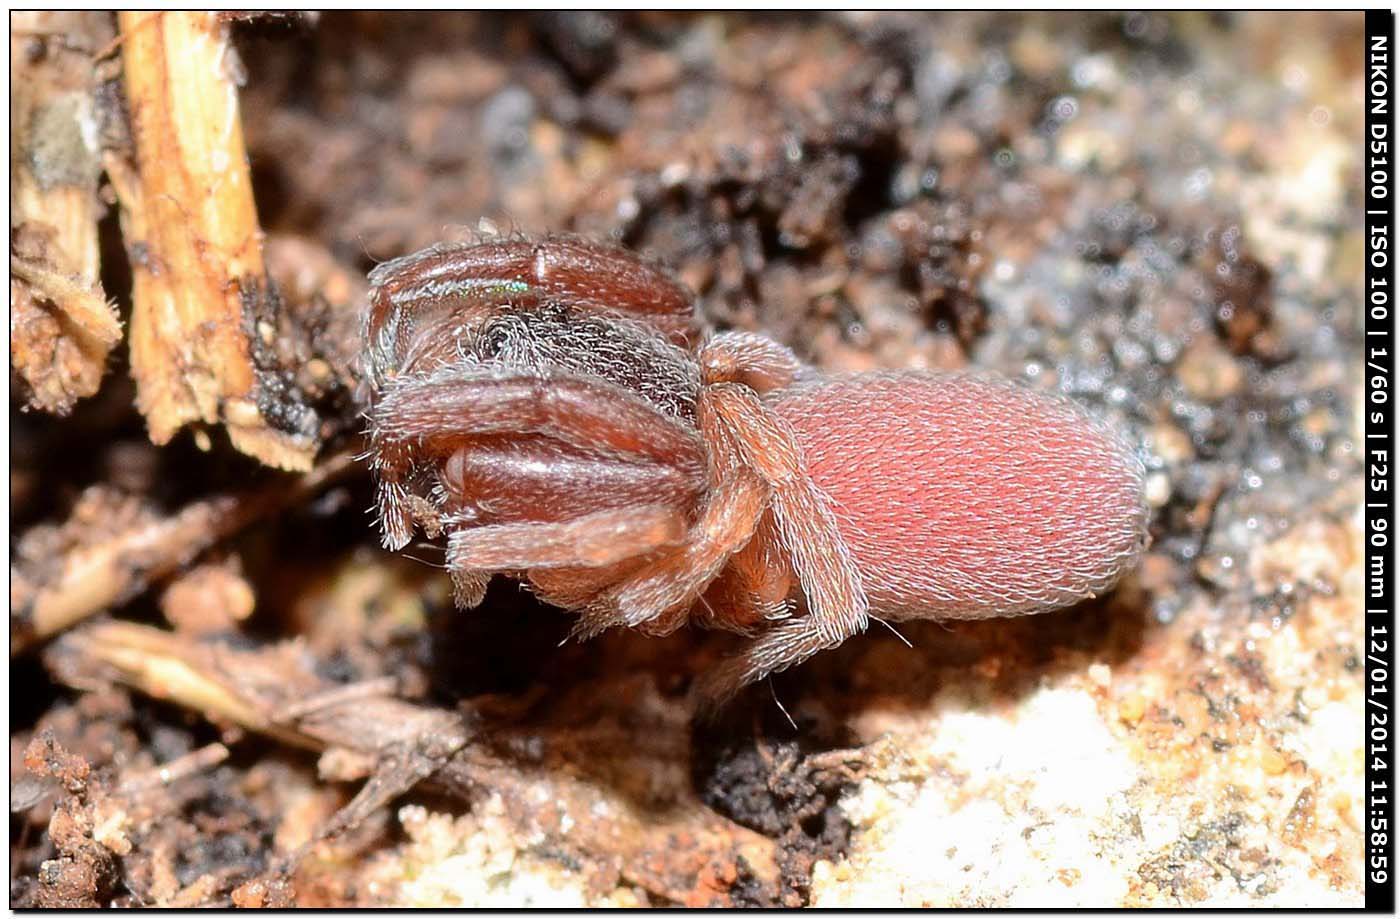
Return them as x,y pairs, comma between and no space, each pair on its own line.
113,548
199,283
684,853
61,325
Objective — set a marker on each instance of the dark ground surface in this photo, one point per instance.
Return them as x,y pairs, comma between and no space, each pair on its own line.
1154,214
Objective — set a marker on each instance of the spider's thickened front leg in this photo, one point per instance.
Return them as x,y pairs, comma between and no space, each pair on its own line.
418,418
466,281
437,411
541,473
599,540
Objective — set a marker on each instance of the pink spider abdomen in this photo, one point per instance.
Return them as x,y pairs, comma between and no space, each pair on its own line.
963,495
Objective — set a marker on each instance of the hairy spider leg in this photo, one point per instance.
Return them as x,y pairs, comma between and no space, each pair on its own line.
530,478
754,589
802,513
661,593
435,413
738,368
659,596
608,429
520,503
784,645
594,540
754,360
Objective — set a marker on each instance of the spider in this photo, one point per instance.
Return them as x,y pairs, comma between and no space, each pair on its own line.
557,410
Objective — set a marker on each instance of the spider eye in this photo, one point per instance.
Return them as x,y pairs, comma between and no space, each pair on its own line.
492,342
